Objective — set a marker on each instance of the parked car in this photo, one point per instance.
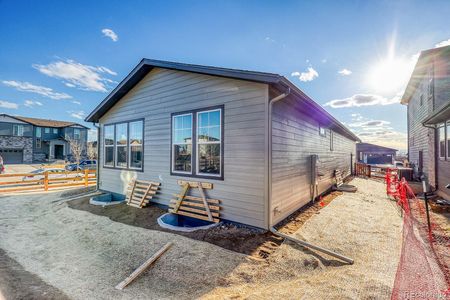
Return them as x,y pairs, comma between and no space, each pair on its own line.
88,164
39,174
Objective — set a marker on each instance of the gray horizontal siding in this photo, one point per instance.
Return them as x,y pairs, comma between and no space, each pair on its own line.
295,137
163,92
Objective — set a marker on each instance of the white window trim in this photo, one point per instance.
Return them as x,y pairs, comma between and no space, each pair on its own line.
173,143
141,145
198,143
109,146
324,131
19,130
117,146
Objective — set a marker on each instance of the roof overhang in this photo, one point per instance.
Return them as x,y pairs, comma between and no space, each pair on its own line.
440,116
274,80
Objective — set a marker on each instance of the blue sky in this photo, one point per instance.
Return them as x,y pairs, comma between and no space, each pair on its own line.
57,61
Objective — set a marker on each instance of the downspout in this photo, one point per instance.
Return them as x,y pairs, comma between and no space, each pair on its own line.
269,196
272,229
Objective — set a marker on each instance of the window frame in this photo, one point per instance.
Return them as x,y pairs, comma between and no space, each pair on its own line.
331,140
194,155
55,130
79,134
324,134
439,127
18,126
116,146
447,139
129,146
172,144
47,130
113,166
38,137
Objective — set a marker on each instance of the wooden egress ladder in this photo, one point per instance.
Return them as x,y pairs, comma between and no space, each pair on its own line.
195,207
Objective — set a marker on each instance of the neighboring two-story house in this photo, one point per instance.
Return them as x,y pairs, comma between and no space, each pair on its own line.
427,96
24,140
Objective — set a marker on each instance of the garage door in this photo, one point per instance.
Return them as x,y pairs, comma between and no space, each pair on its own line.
12,156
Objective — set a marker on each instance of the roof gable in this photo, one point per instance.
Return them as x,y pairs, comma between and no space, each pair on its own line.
44,122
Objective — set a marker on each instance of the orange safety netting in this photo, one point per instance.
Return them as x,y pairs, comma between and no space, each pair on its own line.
423,271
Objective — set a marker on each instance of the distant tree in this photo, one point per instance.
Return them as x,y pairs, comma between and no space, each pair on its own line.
91,151
76,148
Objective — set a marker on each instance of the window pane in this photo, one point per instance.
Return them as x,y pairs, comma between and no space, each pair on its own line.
182,158
121,134
182,131
442,141
55,130
136,132
38,132
448,139
121,156
109,156
136,157
209,159
214,118
109,135
209,126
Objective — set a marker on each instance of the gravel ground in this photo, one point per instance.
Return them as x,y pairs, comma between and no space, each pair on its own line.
85,255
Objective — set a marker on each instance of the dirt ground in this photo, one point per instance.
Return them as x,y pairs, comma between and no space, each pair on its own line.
84,255
251,241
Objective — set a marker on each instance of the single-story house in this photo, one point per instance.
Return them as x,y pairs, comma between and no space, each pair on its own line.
253,135
427,97
24,139
375,154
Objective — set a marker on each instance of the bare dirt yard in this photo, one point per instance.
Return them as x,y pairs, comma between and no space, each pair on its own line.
55,251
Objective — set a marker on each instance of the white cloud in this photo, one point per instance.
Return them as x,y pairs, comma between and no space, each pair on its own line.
9,105
377,132
74,74
37,89
442,44
364,100
111,34
269,39
77,114
324,61
76,102
92,134
345,72
31,103
306,76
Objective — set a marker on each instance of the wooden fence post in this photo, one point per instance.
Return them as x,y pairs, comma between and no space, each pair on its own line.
86,177
46,181
369,170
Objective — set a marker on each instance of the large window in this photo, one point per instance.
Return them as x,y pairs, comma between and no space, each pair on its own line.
209,142
18,130
197,143
76,133
136,136
38,137
123,145
108,142
182,143
441,130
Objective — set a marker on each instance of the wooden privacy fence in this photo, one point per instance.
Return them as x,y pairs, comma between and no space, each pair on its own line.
372,171
46,180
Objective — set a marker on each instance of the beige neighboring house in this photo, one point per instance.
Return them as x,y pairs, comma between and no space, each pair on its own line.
427,97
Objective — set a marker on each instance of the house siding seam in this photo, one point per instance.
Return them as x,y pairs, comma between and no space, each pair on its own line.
295,137
163,92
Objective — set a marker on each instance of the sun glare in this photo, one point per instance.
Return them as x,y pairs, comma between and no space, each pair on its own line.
390,75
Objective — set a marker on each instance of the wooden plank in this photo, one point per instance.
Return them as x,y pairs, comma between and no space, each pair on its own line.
194,184
143,267
132,191
215,220
68,184
181,196
24,182
197,211
145,194
212,201
194,204
37,187
149,182
205,203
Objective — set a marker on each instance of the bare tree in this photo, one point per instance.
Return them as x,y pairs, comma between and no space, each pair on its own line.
76,148
91,151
